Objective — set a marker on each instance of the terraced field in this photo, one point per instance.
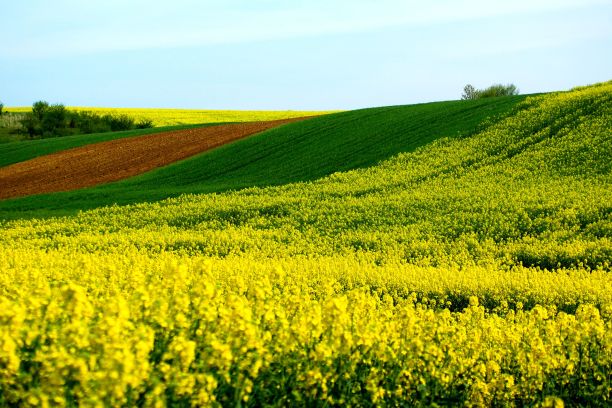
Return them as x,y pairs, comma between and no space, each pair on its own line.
382,258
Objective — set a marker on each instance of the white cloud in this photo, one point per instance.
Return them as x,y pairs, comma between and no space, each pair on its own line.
75,27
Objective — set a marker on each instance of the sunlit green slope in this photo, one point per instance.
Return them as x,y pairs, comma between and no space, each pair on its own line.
296,152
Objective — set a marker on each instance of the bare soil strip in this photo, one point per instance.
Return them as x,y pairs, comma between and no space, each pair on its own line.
114,160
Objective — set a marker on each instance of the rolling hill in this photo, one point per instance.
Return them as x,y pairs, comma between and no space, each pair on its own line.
297,152
470,270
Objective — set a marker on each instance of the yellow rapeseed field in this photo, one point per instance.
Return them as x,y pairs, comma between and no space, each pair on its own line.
169,117
471,272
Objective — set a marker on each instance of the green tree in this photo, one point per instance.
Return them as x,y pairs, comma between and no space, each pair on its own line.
469,92
498,90
39,108
55,121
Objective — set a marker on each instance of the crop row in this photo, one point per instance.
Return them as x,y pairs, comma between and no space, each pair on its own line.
127,329
473,271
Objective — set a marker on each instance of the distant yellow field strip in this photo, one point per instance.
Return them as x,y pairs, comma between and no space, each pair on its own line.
165,117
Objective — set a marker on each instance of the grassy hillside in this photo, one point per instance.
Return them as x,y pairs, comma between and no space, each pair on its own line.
296,152
173,117
541,174
470,271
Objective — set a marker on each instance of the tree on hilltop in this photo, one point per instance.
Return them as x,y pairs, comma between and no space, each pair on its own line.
470,93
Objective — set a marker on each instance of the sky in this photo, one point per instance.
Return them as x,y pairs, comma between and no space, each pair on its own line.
295,55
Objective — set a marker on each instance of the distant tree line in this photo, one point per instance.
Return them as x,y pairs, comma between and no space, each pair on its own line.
47,120
469,92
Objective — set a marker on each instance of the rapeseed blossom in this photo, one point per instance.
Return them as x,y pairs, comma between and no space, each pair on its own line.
470,272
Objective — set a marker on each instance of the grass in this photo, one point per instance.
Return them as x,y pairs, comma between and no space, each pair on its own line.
7,136
291,153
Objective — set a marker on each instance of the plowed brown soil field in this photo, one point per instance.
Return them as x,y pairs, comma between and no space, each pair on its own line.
105,162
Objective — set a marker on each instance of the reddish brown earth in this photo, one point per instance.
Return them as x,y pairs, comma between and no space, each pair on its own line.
114,160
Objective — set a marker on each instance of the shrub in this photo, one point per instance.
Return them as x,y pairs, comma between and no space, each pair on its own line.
31,125
1,107
39,108
144,124
55,120
89,122
118,122
498,90
469,92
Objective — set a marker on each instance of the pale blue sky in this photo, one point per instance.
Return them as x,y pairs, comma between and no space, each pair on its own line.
272,54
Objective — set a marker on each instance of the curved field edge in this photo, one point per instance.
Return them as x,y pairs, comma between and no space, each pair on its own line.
114,160
291,153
